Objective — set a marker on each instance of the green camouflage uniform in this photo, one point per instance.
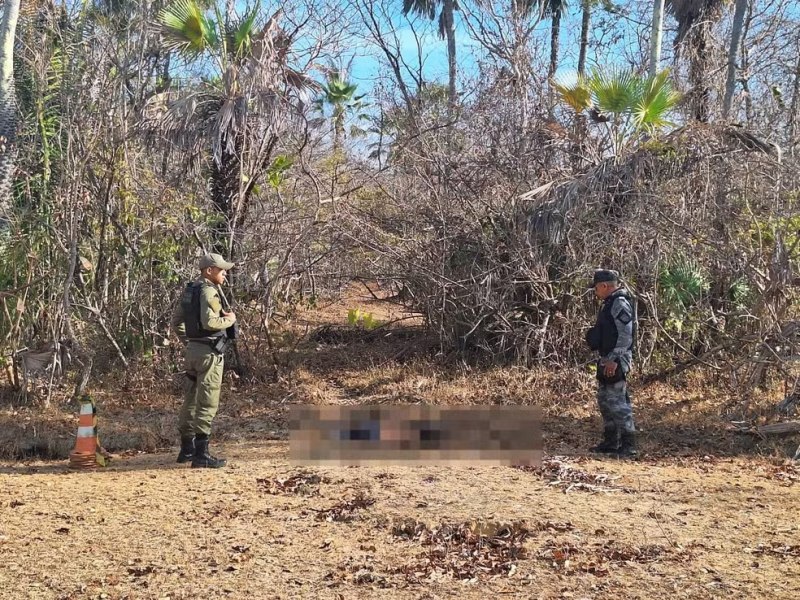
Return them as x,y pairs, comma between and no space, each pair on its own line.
203,364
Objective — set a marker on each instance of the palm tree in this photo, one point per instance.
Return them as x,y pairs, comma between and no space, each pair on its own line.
736,39
447,30
233,119
8,109
695,19
656,33
626,103
340,95
553,9
586,18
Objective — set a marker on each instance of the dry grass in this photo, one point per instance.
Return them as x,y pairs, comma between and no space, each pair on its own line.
705,513
147,528
397,364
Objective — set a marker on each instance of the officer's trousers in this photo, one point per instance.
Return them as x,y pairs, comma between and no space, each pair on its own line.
204,368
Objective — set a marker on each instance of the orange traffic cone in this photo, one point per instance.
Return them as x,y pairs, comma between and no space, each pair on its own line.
88,454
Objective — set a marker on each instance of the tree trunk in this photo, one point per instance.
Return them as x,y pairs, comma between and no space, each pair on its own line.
224,194
555,31
700,94
338,129
8,109
656,34
449,30
794,108
744,55
585,24
733,52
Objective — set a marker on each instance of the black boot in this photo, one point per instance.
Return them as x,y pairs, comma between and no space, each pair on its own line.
202,459
609,444
627,446
187,450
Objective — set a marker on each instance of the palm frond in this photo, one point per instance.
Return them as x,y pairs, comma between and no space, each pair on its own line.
657,100
614,91
184,121
688,13
740,293
224,128
187,28
549,8
682,284
263,41
424,8
241,34
574,91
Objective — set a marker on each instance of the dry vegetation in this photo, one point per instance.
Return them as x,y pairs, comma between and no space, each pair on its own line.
707,511
462,221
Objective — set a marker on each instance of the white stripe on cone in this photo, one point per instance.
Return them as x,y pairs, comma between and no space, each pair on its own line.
86,432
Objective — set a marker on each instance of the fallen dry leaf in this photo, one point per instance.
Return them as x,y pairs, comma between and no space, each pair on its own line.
462,551
305,484
345,510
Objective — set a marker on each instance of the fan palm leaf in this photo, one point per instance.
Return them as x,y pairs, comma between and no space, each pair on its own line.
614,91
240,34
574,92
187,28
424,8
657,100
682,284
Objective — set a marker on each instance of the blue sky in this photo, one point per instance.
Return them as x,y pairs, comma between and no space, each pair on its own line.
365,68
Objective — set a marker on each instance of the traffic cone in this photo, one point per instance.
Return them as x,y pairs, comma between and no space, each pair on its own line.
88,454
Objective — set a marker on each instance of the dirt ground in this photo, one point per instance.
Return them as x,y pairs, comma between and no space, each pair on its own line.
148,528
705,513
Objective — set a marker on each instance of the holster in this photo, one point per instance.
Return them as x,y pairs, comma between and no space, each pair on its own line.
221,345
593,338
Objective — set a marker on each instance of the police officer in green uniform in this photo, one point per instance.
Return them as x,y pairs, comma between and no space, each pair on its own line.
200,319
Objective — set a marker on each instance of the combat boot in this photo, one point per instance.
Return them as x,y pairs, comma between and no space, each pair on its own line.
187,450
609,444
627,446
202,459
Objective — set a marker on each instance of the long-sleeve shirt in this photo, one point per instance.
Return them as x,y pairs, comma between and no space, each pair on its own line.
210,311
622,313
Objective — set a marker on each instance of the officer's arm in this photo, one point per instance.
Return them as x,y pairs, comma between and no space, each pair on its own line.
210,307
177,322
622,313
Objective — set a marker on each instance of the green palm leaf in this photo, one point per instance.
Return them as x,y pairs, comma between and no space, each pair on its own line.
615,91
657,99
338,90
740,293
186,28
574,91
682,284
240,36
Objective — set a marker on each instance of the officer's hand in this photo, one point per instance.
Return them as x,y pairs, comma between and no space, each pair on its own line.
229,315
610,368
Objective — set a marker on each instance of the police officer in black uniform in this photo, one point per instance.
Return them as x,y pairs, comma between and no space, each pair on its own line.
612,337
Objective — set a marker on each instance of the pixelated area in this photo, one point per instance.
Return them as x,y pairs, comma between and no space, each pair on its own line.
418,434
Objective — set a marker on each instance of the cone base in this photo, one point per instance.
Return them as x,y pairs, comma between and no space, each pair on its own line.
80,460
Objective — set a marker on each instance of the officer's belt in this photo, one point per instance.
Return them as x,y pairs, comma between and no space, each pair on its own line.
206,342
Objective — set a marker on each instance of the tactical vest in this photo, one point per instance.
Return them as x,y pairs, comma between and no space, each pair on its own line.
603,336
190,302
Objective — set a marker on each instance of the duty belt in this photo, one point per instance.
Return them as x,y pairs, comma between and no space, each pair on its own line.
212,342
